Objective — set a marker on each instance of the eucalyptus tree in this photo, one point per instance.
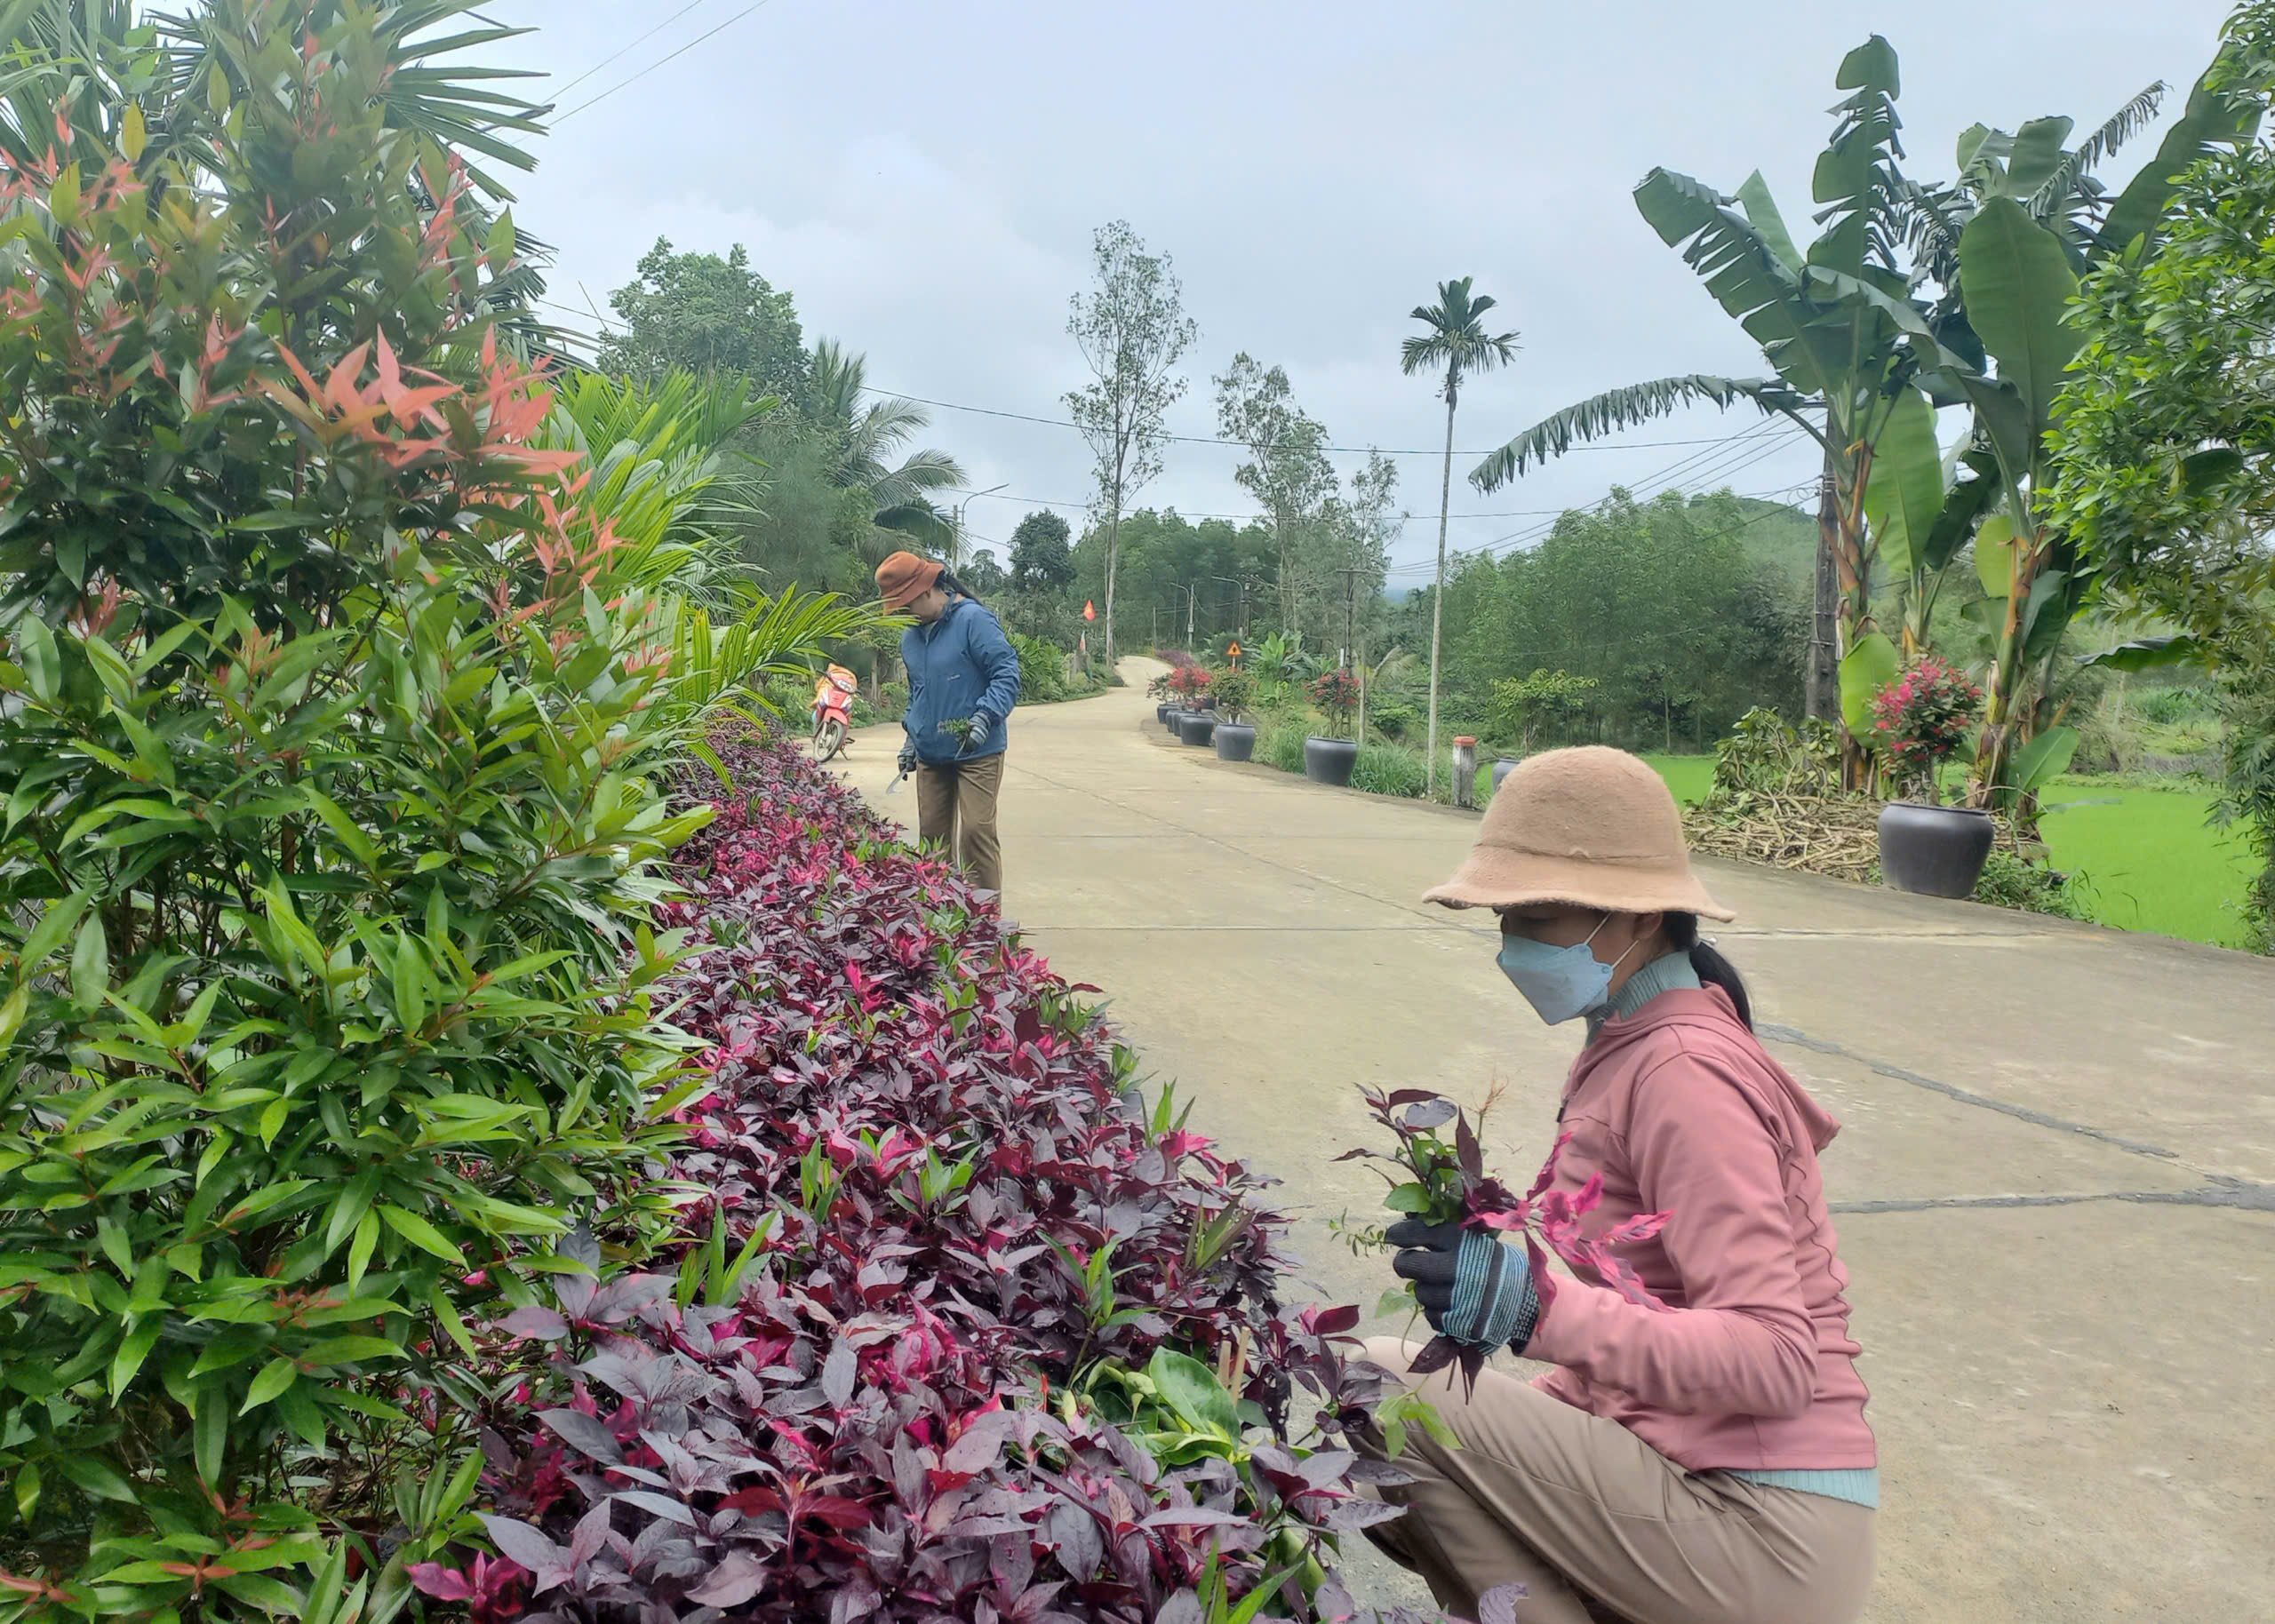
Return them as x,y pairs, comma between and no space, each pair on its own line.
1132,330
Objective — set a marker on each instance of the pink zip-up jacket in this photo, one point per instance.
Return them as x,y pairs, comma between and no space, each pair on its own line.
1750,1367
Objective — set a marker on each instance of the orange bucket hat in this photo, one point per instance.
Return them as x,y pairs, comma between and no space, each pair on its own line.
1587,828
905,578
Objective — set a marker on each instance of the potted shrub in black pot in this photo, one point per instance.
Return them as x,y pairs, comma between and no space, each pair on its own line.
1235,691
1158,690
1189,684
1926,848
1330,760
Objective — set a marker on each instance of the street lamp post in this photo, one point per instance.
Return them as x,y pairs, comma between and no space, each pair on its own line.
966,503
1240,619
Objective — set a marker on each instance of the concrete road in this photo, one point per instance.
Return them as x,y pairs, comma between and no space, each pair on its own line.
2057,1181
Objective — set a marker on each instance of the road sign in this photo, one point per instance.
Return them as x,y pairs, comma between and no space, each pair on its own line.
1233,653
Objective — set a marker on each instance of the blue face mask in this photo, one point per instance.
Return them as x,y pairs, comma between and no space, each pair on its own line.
1562,983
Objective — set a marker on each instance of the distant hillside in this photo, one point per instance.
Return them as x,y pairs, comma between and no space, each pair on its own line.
1784,539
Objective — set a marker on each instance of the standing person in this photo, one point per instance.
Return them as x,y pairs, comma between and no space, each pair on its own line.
1703,1460
963,679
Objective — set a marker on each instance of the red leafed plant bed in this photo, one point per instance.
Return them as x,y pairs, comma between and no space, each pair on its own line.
959,1328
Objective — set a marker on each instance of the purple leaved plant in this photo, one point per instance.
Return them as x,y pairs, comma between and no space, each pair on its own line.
921,1201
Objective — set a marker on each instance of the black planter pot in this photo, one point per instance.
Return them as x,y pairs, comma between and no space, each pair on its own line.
1161,711
1235,741
1197,727
1502,766
1175,715
1330,760
1934,851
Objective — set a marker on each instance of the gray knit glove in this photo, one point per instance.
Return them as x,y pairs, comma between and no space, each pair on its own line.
1472,1287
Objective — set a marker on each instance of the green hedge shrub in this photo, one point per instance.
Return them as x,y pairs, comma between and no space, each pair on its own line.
331,724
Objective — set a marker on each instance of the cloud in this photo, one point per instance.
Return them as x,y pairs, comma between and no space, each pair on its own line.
925,179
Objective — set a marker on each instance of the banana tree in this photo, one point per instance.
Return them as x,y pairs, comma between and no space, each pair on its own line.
1923,504
2008,243
1825,322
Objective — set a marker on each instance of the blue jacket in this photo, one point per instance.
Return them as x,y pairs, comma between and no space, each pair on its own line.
959,666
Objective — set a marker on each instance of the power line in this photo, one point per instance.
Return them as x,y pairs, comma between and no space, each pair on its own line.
675,56
627,50
1258,513
1700,466
1358,450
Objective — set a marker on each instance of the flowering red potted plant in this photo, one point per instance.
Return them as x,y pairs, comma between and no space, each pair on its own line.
1920,720
1330,760
1196,724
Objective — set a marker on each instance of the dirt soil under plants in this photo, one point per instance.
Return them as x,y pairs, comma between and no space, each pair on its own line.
2056,1186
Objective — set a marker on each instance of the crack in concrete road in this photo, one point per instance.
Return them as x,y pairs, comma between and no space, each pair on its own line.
1793,1035
2240,1194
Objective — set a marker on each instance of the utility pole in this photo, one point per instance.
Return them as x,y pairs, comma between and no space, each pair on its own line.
1821,676
1157,626
1191,592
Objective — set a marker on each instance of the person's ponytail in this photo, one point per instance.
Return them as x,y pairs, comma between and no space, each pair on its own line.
1711,967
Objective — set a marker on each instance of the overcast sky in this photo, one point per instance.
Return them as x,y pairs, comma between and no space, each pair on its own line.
925,178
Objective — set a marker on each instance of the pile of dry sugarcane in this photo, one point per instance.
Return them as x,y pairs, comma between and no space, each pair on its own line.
1835,835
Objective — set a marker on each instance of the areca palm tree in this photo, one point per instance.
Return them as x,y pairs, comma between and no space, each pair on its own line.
871,433
1456,343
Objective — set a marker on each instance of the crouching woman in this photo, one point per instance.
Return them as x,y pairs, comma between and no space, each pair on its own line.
1702,1458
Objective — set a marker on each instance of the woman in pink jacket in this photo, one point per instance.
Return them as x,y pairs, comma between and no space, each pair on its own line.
1704,1458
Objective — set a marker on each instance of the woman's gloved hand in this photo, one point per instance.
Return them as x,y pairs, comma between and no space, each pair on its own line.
982,724
1471,1285
907,762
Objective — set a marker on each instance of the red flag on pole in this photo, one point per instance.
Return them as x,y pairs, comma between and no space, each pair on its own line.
1090,610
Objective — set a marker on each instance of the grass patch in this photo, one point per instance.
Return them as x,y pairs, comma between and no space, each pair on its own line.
1688,777
2147,858
1390,769
2152,859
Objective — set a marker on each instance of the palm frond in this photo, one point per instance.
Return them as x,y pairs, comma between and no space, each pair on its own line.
925,471
2060,188
1620,409
2213,117
1625,407
932,530
716,668
655,476
1425,355
838,377
1927,221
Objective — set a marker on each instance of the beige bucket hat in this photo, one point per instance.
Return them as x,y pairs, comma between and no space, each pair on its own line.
1589,827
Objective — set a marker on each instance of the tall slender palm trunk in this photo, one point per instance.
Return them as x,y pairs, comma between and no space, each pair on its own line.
1438,597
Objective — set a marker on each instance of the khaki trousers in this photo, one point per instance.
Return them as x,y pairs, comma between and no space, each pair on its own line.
1598,1526
955,811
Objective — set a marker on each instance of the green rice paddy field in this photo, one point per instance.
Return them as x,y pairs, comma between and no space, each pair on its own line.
2149,858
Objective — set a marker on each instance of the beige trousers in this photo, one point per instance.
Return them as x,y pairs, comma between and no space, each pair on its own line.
955,811
1598,1526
